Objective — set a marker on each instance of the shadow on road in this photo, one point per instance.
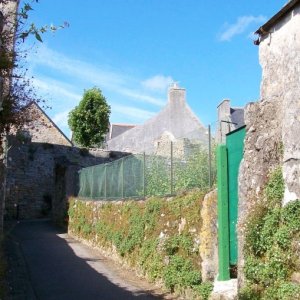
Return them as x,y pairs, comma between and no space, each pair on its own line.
56,272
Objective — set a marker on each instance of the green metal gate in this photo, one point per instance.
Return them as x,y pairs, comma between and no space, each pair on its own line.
229,157
235,149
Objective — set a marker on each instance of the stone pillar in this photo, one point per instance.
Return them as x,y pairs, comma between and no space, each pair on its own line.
209,237
223,127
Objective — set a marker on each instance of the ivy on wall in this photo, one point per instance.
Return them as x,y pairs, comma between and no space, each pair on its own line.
272,249
159,237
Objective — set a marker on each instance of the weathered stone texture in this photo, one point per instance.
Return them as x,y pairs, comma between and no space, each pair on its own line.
280,60
262,149
209,237
41,129
291,142
180,148
262,152
273,123
40,176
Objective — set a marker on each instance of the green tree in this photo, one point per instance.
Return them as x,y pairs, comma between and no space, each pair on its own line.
89,120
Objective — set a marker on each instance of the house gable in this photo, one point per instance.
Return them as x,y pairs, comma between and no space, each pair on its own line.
41,128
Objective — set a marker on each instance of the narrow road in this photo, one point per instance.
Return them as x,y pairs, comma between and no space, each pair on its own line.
62,268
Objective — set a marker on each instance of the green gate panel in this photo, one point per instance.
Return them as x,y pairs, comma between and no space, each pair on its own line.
235,150
223,229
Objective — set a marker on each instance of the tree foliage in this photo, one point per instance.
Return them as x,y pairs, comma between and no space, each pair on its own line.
89,120
16,90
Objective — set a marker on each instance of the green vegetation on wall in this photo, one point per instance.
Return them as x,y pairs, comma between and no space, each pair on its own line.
272,250
159,237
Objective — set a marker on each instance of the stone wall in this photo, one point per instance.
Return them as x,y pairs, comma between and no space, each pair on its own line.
40,175
273,124
209,237
155,237
280,60
181,148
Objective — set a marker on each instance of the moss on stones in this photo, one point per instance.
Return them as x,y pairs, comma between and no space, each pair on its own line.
158,237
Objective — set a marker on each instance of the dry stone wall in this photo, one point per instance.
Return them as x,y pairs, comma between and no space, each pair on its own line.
171,241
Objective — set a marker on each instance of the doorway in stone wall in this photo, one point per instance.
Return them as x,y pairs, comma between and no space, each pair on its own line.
59,192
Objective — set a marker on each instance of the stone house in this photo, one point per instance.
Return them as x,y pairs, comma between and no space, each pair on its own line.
272,123
176,120
115,129
41,129
42,168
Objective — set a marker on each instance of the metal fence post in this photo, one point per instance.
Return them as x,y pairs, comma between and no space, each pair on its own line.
105,183
144,175
209,157
172,187
223,218
122,174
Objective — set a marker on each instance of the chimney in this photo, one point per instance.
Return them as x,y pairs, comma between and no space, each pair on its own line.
223,127
176,94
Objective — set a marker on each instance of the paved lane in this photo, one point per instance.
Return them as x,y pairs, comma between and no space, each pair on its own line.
61,268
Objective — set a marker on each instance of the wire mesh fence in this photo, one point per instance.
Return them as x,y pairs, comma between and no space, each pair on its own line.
175,168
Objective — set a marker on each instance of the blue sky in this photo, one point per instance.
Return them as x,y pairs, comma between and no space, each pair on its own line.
133,49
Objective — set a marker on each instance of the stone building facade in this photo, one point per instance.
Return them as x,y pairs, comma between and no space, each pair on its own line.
176,119
273,123
42,168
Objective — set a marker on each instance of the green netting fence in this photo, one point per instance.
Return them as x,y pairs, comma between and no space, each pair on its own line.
141,175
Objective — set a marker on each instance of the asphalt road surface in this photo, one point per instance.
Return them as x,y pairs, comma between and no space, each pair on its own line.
61,268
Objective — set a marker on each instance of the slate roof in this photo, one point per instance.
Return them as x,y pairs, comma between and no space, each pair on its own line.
237,116
117,129
176,117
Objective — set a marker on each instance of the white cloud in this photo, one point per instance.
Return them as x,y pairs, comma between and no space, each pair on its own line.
240,26
132,112
61,119
158,82
135,114
143,97
56,88
61,80
76,68
94,75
